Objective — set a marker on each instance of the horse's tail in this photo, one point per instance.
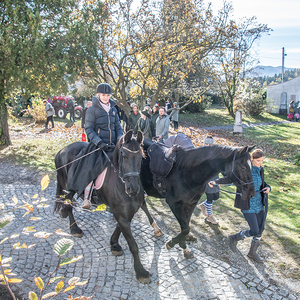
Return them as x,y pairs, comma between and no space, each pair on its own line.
63,160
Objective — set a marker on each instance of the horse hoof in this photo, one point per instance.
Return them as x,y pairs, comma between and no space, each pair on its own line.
144,277
144,280
169,245
188,254
117,253
190,238
78,234
157,233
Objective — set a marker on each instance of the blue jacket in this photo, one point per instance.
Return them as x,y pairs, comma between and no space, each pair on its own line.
245,205
100,125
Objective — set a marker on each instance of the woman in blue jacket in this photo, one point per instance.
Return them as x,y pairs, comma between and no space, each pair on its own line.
255,210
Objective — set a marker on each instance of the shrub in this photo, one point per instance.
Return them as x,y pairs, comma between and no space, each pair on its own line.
38,111
199,104
251,98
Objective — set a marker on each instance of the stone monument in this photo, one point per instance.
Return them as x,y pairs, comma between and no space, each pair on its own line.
238,127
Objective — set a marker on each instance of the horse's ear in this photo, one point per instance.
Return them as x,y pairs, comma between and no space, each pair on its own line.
250,148
139,137
128,136
243,150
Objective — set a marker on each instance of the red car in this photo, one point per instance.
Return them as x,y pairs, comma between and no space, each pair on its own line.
60,104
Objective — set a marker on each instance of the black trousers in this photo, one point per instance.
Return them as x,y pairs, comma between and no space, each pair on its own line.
72,115
175,124
50,119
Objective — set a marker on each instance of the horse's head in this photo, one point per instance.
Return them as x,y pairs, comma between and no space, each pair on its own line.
130,156
241,172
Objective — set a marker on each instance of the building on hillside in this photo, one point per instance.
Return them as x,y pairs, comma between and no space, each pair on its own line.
283,93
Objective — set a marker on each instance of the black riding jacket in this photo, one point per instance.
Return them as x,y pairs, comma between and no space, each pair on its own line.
100,125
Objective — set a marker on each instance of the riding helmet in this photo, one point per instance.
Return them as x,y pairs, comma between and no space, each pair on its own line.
104,88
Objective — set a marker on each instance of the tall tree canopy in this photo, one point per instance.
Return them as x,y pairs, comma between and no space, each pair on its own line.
42,41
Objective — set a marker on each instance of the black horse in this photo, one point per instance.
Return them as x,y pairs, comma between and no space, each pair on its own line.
122,191
186,182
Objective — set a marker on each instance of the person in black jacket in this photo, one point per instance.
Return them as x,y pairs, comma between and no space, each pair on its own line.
103,129
71,108
255,210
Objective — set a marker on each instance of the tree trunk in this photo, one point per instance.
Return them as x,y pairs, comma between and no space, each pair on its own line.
4,134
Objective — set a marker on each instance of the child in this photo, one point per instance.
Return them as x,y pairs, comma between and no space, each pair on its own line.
212,193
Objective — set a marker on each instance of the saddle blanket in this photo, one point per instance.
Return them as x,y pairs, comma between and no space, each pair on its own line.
100,179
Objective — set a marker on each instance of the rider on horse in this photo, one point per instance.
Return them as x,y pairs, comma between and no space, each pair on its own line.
103,129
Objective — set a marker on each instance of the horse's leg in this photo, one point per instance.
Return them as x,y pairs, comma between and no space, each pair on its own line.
142,275
75,230
157,231
115,247
180,213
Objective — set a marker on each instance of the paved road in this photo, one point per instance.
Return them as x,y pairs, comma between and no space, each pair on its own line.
227,127
172,276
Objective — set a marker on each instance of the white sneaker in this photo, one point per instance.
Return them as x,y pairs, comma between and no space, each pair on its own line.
212,219
203,209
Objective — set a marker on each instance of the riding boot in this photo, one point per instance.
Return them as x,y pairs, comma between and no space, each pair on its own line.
252,252
233,240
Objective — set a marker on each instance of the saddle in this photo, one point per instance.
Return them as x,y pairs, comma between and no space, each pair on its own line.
161,163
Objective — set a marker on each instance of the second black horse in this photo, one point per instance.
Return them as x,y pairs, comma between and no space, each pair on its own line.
186,182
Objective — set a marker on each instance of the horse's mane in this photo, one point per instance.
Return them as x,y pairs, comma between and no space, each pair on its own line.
194,157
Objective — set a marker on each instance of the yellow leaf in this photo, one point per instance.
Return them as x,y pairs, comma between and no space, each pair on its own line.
45,182
27,212
55,279
39,282
100,207
49,295
35,218
7,271
59,286
29,207
3,240
14,280
32,296
71,287
15,200
34,196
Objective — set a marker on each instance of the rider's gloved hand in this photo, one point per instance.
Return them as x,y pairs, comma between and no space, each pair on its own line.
102,145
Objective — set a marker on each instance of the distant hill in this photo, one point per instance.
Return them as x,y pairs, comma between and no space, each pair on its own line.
266,71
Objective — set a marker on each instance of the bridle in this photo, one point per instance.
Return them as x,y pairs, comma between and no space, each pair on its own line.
120,161
239,179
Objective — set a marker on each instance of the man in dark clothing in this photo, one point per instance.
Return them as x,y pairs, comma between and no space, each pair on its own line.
133,116
71,108
168,107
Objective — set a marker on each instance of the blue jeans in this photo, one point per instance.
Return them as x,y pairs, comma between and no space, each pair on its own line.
256,222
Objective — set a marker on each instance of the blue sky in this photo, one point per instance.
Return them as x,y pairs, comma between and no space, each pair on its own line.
281,16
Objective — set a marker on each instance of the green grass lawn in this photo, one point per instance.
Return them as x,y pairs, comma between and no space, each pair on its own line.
219,116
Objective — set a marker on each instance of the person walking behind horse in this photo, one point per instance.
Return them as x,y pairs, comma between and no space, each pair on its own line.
155,115
255,210
162,125
103,129
212,193
71,108
145,125
133,116
50,113
88,104
174,116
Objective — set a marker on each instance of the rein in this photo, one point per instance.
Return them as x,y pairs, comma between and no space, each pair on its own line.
126,175
240,180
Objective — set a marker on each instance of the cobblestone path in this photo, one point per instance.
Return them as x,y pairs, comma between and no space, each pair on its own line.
172,276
